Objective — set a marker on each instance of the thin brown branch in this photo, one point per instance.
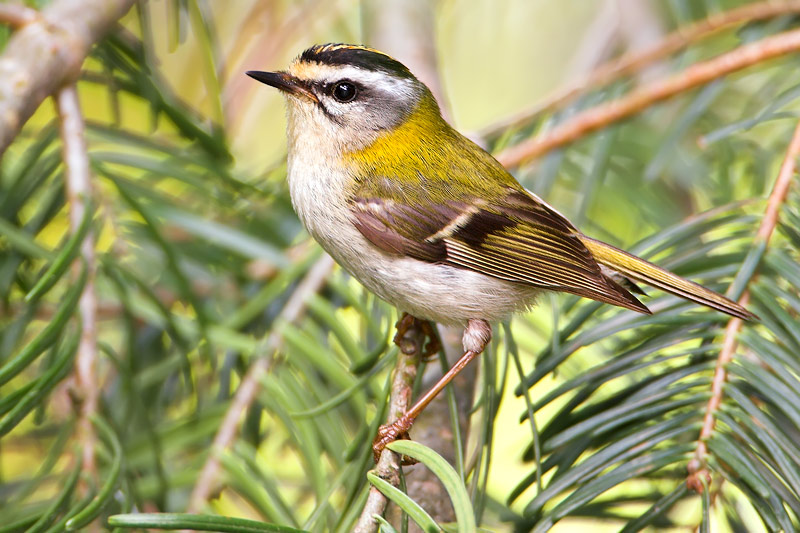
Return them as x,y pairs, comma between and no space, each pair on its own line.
637,60
79,193
697,467
388,466
17,15
652,93
46,54
248,389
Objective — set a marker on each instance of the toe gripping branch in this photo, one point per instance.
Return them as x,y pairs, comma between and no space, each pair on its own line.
476,336
431,346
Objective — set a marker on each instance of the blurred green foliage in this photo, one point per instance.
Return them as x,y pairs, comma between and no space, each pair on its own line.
199,251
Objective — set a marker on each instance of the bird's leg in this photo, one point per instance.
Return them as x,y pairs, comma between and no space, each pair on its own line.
476,336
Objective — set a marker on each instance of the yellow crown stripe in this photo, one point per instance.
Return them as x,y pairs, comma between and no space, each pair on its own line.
335,47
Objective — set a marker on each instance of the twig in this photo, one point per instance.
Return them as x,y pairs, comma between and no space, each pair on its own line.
651,93
248,389
637,60
79,192
697,467
388,466
17,15
47,53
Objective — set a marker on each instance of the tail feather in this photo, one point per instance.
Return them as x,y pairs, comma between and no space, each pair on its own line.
638,269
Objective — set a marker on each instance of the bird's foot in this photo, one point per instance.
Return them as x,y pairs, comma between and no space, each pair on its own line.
390,433
403,325
431,345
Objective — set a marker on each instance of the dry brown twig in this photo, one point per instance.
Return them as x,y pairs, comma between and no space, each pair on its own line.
248,388
638,60
697,467
79,192
694,76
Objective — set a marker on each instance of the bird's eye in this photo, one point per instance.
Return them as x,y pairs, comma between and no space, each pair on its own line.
344,91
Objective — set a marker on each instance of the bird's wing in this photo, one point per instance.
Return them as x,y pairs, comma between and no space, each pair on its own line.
514,237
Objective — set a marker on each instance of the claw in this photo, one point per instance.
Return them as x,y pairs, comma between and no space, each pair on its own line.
403,325
390,433
432,346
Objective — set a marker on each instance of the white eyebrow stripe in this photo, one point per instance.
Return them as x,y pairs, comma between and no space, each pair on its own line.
319,72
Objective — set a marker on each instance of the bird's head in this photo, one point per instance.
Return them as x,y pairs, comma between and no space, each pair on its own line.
349,95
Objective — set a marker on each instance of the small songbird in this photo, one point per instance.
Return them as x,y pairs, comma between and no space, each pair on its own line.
428,220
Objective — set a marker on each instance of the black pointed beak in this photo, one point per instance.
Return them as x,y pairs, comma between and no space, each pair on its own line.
285,82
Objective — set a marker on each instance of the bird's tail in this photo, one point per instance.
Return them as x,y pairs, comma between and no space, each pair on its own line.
638,269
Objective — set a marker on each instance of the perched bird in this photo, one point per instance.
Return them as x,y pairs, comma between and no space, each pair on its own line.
425,218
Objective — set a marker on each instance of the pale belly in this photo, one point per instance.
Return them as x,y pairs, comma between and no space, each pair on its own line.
442,293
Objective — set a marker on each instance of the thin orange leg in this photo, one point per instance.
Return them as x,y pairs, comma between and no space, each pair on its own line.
476,337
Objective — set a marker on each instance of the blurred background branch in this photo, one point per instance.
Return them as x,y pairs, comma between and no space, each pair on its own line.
646,48
698,74
248,389
79,197
17,15
46,52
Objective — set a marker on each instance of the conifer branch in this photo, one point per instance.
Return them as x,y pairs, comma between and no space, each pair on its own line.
47,53
645,96
638,60
697,468
249,387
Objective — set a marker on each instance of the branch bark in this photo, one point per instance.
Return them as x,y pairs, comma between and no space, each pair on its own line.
696,75
46,54
79,193
388,466
697,468
17,15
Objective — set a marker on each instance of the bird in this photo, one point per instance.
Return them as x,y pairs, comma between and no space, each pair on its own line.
428,220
